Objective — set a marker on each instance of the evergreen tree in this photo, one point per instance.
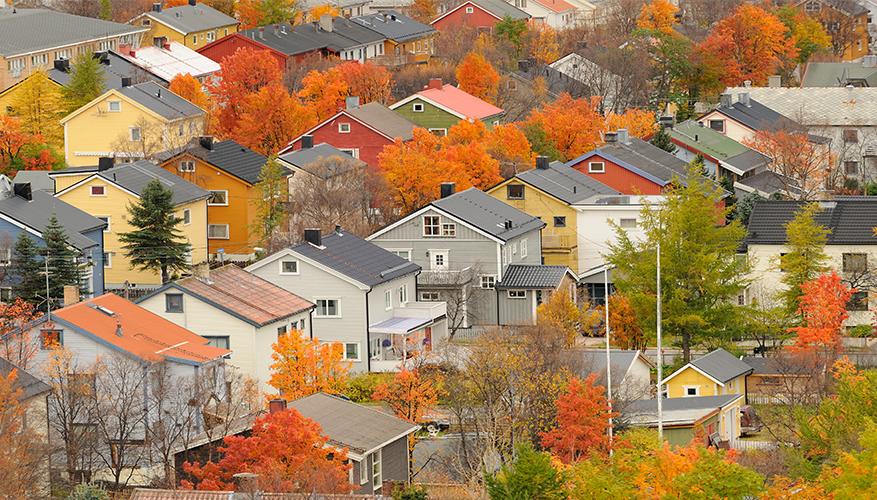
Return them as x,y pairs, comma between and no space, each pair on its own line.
87,82
512,30
63,266
743,209
273,190
662,140
155,244
25,270
805,258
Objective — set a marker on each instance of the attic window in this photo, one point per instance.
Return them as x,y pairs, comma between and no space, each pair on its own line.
515,192
813,6
718,125
114,106
146,22
417,107
344,128
596,166
469,10
98,190
187,166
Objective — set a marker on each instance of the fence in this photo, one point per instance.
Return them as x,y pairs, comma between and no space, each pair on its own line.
132,293
746,445
780,399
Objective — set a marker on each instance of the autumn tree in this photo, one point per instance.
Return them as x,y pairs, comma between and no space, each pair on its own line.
22,151
87,81
805,257
288,452
572,126
318,11
16,345
543,43
187,87
424,11
242,74
823,304
325,92
561,312
533,475
411,394
253,13
801,166
38,104
304,366
626,332
508,145
583,422
809,35
659,15
269,119
637,122
22,460
477,77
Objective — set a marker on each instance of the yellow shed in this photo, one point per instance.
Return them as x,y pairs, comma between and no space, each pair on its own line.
717,373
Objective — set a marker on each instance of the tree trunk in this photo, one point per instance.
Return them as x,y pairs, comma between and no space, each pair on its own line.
686,347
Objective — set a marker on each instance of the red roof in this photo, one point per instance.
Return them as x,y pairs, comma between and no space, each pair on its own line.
143,334
247,295
555,5
461,102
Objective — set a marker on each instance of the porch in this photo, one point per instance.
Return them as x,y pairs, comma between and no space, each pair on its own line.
409,334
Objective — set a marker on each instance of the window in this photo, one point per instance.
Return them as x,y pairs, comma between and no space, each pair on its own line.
691,390
218,198
429,296
388,299
439,260
813,6
135,134
405,254
344,128
62,54
39,60
859,43
515,192
15,67
328,308
718,125
181,130
855,262
51,338
352,152
430,225
560,222
187,166
851,135
627,223
211,36
108,260
439,132
114,106
281,331
107,220
220,341
173,302
376,468
217,231
417,107
403,294
288,267
449,230
146,22
596,166
523,249
512,85
98,190
351,351
488,281
194,39
858,301
469,10
187,216
517,294
851,167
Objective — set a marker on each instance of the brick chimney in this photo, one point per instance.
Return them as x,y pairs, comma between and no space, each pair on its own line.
435,83
276,405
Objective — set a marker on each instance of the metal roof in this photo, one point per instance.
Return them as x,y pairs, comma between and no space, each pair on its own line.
678,411
35,215
172,60
306,157
399,326
565,183
227,155
285,40
533,276
851,220
489,214
646,157
819,106
115,68
384,119
193,18
395,26
757,115
38,179
838,74
768,182
135,176
23,31
460,102
161,101
721,365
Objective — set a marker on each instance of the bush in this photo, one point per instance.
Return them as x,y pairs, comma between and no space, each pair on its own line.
88,491
411,492
860,331
361,386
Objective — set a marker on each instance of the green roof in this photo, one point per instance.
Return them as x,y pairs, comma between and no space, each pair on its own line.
706,140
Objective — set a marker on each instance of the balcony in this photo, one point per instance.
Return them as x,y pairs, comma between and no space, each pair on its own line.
428,310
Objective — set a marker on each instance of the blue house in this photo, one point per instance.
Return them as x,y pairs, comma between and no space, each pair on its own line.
23,209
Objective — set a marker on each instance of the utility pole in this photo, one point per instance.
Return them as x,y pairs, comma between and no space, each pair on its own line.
660,355
608,357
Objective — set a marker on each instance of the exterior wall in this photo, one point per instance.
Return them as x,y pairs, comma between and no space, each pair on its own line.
596,234
377,310
855,29
394,461
431,118
733,129
63,182
544,15
227,46
366,143
690,377
193,40
115,206
517,311
479,18
617,177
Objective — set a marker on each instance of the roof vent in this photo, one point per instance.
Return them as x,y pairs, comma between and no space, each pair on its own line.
314,237
119,324
62,65
743,98
23,190
307,141
508,224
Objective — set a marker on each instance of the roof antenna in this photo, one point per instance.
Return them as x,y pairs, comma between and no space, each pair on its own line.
119,324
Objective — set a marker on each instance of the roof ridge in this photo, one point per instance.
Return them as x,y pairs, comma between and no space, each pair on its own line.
344,261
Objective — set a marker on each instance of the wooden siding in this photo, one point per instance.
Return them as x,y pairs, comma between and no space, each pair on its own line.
227,46
479,18
394,460
159,29
430,118
517,311
369,143
619,178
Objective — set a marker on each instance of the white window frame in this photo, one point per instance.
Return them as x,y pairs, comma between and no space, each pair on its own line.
187,166
403,294
434,222
107,218
593,167
39,61
337,307
517,294
685,389
449,230
488,281
470,10
354,152
187,216
91,190
225,191
399,251
357,358
108,260
342,127
116,104
63,54
283,272
139,134
523,249
377,470
217,237
388,300
433,260
429,297
417,107
17,65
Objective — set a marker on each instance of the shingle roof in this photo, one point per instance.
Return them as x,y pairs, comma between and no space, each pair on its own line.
462,103
23,31
721,365
172,60
759,115
35,214
838,74
135,176
819,106
851,219
565,183
30,386
304,158
384,119
539,277
115,68
502,9
227,155
395,26
361,429
192,18
161,101
488,214
357,258
646,157
621,361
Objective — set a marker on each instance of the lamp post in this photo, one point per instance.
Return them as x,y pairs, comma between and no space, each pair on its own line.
608,358
660,356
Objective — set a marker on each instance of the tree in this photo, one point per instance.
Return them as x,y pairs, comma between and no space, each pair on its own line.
699,265
318,11
287,451
743,208
270,118
22,151
87,82
304,366
626,333
662,140
253,13
63,265
638,122
805,257
242,74
23,454
155,243
824,308
270,201
16,346
38,104
802,166
410,394
508,145
512,30
26,268
659,15
543,43
561,312
583,422
477,77
572,126
532,476
187,87
423,10
809,35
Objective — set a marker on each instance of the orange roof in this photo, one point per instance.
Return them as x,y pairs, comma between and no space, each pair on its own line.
461,102
246,295
555,5
143,334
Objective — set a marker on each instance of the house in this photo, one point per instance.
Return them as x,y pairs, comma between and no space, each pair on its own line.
21,52
466,243
717,373
360,131
524,287
440,107
307,161
849,246
684,417
130,123
170,59
23,209
38,180
740,120
841,74
230,172
107,190
784,378
193,25
595,80
535,82
631,370
407,41
228,45
365,296
558,14
549,192
479,14
134,347
845,22
253,314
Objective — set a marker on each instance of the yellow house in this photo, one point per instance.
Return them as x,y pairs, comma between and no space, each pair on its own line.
106,191
130,123
194,25
549,192
845,22
717,373
685,418
407,40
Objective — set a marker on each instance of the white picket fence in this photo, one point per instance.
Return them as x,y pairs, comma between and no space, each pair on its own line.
746,445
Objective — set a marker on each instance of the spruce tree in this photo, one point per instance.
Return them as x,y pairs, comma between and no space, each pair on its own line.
87,82
64,268
25,270
155,244
662,140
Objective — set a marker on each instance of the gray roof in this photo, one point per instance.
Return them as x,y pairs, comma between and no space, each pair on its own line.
395,26
621,361
135,176
189,18
721,365
227,155
819,106
115,68
35,214
749,160
768,182
488,214
385,120
565,183
356,258
646,157
690,403
23,31
502,9
359,428
533,276
30,386
756,115
762,365
839,74
161,101
305,157
287,40
851,219
38,179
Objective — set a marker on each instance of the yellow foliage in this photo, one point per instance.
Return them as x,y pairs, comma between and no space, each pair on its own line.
38,104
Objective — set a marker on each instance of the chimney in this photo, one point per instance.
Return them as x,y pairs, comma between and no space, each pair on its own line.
276,30
393,17
743,98
667,121
508,224
726,100
62,65
261,33
314,237
326,22
352,101
850,94
105,163
125,49
126,81
158,94
774,81
869,61
71,294
206,142
623,136
435,83
192,2
156,7
307,141
385,16
276,405
542,162
611,137
337,228
245,482
447,189
747,83
524,66
202,269
23,190
118,323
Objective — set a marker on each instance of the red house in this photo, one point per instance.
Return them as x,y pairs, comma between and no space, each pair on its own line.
281,41
360,131
479,14
228,45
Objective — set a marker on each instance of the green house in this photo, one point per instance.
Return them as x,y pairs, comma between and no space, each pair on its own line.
439,107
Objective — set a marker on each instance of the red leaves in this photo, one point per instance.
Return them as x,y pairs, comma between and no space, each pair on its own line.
409,394
20,150
824,306
242,75
583,422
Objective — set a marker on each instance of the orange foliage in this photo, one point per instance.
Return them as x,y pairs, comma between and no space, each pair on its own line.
23,450
674,472
270,119
410,395
423,10
508,145
624,325
477,77
289,453
796,158
187,87
658,16
322,10
15,342
20,150
582,422
167,4
305,366
781,487
638,122
824,307
242,74
543,43
326,91
248,14
572,126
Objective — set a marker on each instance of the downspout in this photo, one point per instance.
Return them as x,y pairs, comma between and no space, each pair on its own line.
368,339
